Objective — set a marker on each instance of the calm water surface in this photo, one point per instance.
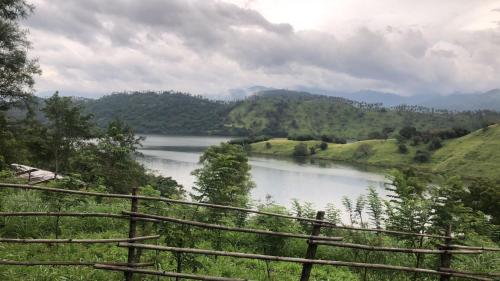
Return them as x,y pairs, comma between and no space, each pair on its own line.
318,182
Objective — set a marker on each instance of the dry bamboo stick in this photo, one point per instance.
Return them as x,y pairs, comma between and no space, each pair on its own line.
81,241
475,248
165,273
167,200
61,214
70,263
393,249
488,274
298,260
229,228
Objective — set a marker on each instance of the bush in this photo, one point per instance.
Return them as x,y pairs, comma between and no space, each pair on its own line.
363,151
301,137
408,132
323,145
312,150
422,156
435,144
402,148
300,150
268,145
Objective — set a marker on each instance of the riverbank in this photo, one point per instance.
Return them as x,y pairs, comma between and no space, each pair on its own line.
475,155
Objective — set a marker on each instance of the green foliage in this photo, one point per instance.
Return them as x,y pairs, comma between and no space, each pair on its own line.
375,207
402,148
422,156
224,177
16,69
323,145
300,150
363,151
67,128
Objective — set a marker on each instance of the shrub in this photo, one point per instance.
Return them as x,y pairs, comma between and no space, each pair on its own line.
312,150
268,145
408,132
363,151
301,137
300,150
402,148
323,145
435,144
422,156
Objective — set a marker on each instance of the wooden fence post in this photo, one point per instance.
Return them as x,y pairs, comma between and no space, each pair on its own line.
132,234
445,260
311,248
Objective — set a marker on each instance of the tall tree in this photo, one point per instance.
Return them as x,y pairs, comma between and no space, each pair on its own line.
67,126
224,177
16,69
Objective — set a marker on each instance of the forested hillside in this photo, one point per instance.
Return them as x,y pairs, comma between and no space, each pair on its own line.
275,113
166,112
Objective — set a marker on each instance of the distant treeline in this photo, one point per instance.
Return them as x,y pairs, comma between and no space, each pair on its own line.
278,113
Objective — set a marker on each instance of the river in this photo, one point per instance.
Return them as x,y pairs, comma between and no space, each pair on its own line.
318,182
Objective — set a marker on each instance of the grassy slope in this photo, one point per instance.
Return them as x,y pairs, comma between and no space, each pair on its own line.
301,113
474,155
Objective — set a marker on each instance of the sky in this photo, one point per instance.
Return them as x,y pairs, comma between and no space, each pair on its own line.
95,47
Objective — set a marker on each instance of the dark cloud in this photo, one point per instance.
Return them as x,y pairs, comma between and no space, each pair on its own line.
210,46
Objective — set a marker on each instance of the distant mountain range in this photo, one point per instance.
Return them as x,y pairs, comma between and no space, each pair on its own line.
473,101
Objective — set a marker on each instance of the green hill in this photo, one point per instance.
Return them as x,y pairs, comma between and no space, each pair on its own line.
276,113
472,156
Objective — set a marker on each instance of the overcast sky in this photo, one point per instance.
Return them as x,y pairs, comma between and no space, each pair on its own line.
207,47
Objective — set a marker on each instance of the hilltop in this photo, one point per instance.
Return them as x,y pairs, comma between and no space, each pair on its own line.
472,156
274,113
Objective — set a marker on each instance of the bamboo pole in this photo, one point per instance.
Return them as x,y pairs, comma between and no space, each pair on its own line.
69,263
174,201
229,228
131,256
61,214
76,241
165,273
445,258
487,274
311,248
299,260
486,249
394,249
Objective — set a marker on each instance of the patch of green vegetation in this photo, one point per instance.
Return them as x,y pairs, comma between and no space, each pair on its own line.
472,156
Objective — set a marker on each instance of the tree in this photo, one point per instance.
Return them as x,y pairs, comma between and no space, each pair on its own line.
300,150
67,126
363,151
375,207
408,132
435,143
349,208
224,177
16,69
323,145
402,148
360,207
422,156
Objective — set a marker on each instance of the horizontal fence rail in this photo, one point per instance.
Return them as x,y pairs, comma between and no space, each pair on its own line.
165,273
229,228
70,263
217,206
296,260
76,241
62,214
394,249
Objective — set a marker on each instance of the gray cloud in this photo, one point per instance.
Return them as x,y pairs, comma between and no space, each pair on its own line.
211,46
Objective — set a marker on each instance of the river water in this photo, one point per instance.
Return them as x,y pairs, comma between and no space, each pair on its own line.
318,182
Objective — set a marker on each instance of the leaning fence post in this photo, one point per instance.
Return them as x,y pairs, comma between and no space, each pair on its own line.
311,248
132,233
445,260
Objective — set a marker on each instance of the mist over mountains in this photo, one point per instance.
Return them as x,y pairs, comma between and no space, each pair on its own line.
489,100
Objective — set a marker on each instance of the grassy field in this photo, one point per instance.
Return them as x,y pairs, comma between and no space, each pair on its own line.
475,155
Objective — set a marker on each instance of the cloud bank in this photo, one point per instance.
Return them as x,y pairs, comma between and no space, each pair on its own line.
208,47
